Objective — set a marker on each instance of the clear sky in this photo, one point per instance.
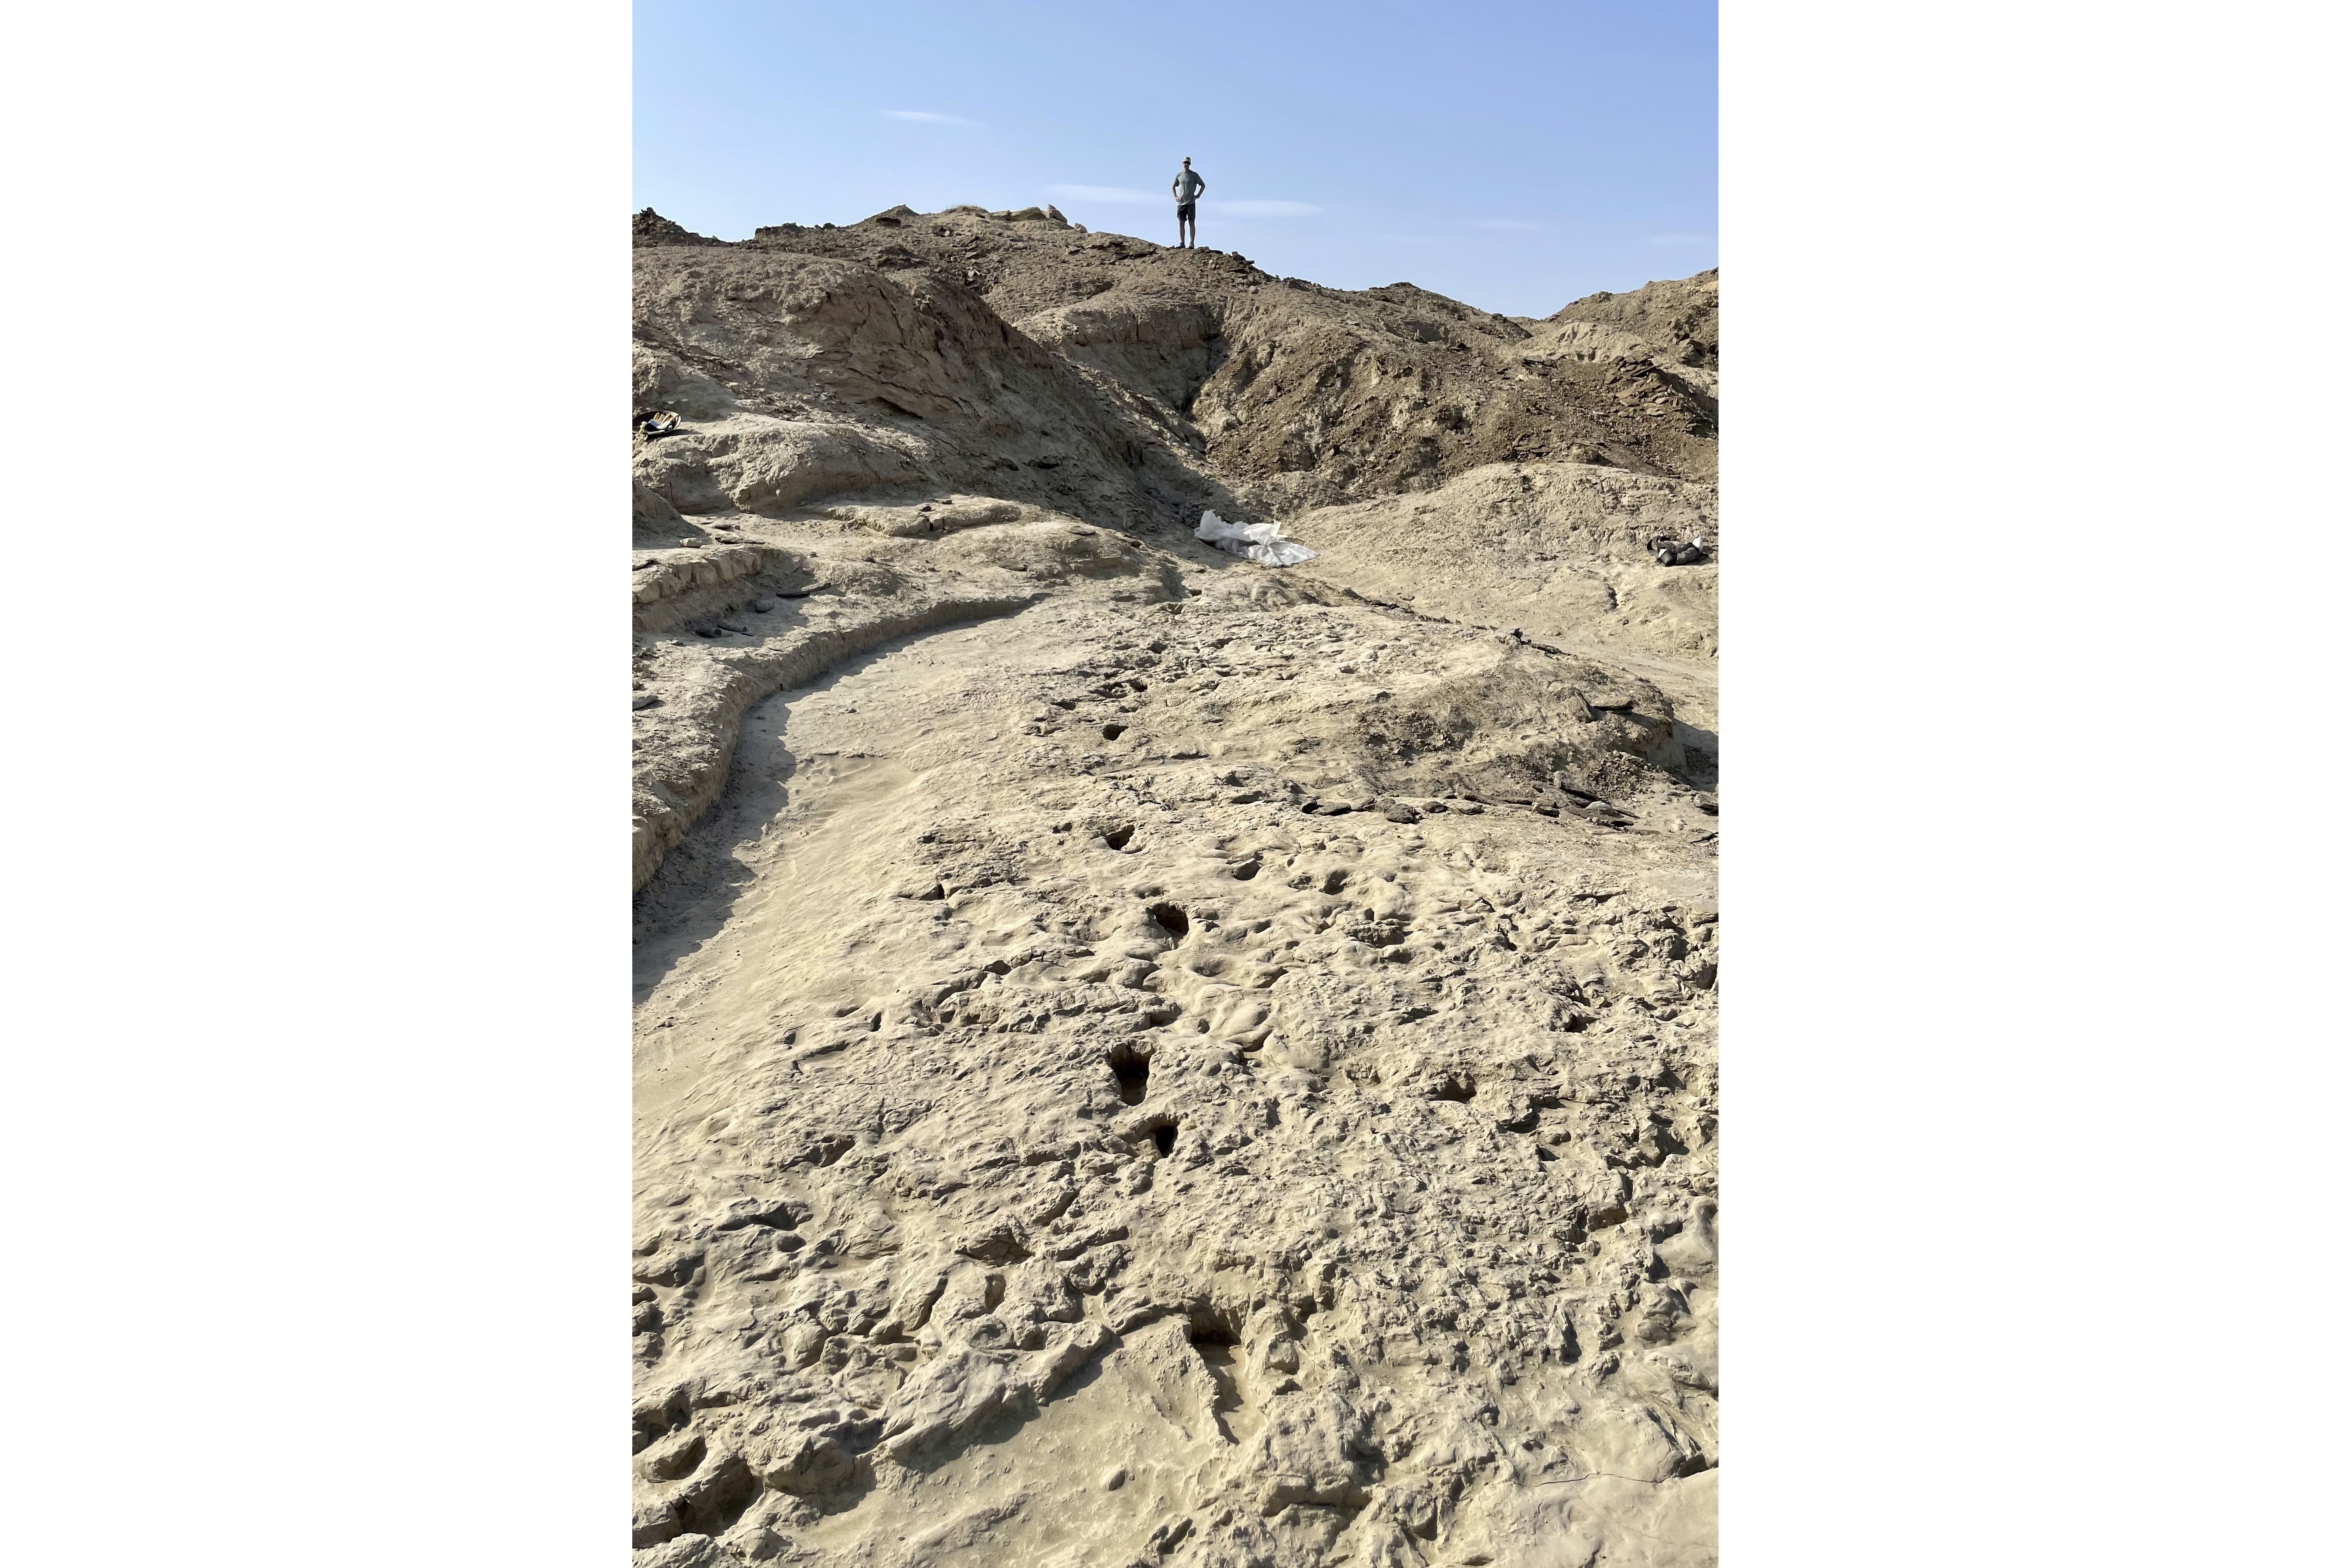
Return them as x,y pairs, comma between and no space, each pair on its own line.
1514,155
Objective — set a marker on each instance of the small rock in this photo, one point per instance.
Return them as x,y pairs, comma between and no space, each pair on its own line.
643,700
804,1344
812,1463
675,1456
998,1243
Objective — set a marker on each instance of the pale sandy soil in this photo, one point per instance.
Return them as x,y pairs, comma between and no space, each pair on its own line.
1144,1058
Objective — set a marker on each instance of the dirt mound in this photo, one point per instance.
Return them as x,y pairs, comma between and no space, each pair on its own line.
1285,393
1676,321
649,227
801,379
1140,1056
1656,349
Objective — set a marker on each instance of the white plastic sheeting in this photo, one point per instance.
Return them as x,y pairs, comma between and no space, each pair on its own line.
1259,542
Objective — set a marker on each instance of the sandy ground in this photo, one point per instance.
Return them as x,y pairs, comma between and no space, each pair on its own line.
1146,1058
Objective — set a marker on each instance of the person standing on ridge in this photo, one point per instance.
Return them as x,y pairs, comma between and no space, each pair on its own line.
1186,187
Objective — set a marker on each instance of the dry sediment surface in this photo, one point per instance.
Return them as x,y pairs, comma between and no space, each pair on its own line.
1144,1058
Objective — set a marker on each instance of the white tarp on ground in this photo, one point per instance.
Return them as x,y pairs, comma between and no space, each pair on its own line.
1259,542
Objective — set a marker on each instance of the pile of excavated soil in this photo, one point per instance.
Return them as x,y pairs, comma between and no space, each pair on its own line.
1143,1058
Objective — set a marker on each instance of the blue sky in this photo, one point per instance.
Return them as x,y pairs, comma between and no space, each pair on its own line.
1514,155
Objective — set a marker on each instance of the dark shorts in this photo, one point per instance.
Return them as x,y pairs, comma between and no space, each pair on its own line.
1184,214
